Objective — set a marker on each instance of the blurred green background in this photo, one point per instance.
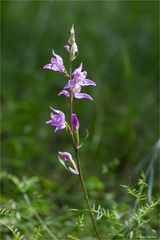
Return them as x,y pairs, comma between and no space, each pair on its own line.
118,45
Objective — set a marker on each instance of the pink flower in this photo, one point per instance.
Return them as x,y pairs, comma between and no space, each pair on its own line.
75,85
57,120
56,63
80,77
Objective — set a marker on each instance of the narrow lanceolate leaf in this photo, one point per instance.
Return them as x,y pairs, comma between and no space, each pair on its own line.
69,165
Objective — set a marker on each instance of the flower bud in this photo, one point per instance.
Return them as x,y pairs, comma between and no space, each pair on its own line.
75,122
65,156
75,128
72,44
72,36
67,161
74,49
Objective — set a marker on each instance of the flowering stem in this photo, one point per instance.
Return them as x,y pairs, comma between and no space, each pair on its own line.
78,161
86,193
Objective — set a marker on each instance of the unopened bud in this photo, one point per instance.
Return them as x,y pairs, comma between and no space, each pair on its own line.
72,36
75,122
65,156
72,43
67,161
75,128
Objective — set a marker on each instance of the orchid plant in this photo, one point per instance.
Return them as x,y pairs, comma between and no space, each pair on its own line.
76,80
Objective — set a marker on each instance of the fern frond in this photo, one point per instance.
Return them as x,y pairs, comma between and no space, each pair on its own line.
80,223
23,185
111,216
7,212
15,231
38,233
144,211
71,237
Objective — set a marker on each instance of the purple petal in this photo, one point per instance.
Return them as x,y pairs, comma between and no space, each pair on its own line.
64,92
79,69
75,122
57,111
56,56
52,66
57,120
79,75
65,155
52,115
54,60
82,95
48,66
70,84
74,48
86,82
61,127
67,47
56,63
59,58
49,122
83,74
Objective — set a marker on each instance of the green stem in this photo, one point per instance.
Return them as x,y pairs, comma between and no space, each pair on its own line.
78,161
86,194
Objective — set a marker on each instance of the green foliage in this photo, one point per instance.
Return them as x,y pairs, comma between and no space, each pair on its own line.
7,212
111,215
38,233
129,222
138,193
72,237
15,231
79,226
144,211
34,212
22,186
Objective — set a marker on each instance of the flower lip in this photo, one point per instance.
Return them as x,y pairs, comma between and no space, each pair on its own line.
77,94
